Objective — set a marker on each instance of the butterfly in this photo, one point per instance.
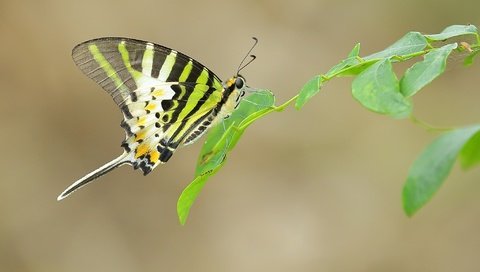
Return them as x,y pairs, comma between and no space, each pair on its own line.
167,98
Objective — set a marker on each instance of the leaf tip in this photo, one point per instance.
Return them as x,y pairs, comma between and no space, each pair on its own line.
408,206
299,104
182,213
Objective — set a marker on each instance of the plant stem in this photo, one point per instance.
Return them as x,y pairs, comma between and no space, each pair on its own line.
427,126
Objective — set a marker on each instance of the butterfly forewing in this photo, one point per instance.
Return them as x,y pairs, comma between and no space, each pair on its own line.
122,66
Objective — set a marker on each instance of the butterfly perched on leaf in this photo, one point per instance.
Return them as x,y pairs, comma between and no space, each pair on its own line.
167,98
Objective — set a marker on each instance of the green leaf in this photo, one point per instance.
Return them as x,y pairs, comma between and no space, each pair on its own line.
412,42
215,148
351,66
377,89
220,140
424,72
354,52
223,137
311,88
190,193
430,169
352,59
470,154
453,31
469,59
356,69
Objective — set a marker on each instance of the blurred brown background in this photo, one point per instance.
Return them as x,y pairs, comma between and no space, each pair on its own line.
311,190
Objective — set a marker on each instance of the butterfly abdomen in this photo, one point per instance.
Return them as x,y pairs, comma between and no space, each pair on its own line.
200,130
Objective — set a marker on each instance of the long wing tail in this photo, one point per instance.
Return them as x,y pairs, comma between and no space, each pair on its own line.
122,159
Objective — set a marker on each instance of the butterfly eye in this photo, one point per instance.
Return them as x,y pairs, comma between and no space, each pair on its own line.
239,82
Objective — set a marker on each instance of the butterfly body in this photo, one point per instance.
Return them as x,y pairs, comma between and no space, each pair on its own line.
167,98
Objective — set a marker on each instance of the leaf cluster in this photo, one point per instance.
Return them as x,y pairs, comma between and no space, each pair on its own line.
377,88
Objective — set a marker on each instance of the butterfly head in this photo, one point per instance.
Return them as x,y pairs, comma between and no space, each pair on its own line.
233,91
236,82
236,87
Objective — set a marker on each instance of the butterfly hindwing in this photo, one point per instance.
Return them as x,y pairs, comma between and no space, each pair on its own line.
159,126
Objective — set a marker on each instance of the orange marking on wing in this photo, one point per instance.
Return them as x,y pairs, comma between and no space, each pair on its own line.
150,107
141,121
140,135
141,150
154,156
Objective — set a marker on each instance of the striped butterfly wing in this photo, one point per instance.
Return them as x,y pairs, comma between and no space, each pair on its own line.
162,93
123,65
166,98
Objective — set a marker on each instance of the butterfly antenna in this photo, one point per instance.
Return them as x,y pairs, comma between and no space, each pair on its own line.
253,57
